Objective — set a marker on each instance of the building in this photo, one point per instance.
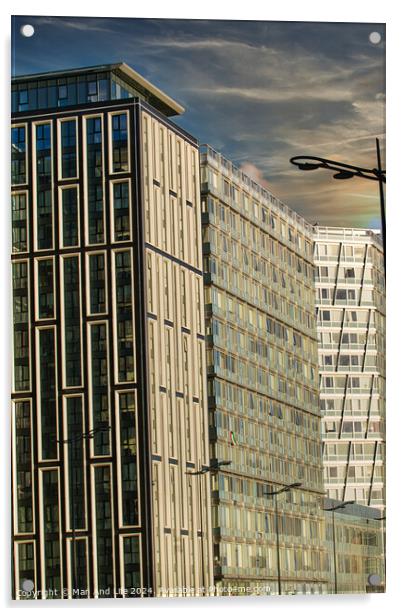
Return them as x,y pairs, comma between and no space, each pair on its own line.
108,403
350,297
355,538
263,388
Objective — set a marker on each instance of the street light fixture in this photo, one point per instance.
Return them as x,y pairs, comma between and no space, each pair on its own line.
333,509
345,172
274,494
76,438
212,468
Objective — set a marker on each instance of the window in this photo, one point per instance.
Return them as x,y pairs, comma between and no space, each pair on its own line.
95,180
76,482
104,536
119,143
21,326
68,135
23,469
45,289
69,213
19,222
97,282
72,322
50,504
47,380
124,317
44,215
18,155
128,457
99,388
132,566
121,211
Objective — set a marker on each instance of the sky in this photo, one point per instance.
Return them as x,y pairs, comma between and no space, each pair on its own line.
259,92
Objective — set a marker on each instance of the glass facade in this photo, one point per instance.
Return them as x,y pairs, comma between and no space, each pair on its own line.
350,301
262,371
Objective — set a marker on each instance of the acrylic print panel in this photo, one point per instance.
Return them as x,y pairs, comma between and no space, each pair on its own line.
198,252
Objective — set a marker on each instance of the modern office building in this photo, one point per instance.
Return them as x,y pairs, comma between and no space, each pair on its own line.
355,538
263,387
350,297
109,407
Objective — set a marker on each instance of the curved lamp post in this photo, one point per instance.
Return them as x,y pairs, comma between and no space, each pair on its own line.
345,172
333,509
274,495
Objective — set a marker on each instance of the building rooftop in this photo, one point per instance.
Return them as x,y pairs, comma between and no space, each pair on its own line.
86,85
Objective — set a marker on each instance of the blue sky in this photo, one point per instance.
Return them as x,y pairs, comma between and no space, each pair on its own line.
258,91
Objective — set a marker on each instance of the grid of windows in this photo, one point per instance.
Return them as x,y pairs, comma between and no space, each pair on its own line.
350,304
104,531
262,381
51,533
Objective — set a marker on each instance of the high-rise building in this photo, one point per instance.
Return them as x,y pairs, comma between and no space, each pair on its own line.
350,297
108,396
263,388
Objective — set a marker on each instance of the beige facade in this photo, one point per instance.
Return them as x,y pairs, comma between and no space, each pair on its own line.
262,386
176,347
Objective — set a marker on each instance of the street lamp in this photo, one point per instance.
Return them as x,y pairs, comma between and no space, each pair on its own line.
274,495
345,172
333,509
213,467
76,438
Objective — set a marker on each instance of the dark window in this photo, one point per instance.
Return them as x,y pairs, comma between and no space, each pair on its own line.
99,370
97,283
45,289
120,142
94,181
19,221
72,328
21,325
124,316
128,452
47,378
75,460
121,212
69,203
104,543
18,155
44,186
68,149
50,505
23,466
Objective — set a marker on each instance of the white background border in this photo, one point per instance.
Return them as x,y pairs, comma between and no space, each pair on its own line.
283,10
